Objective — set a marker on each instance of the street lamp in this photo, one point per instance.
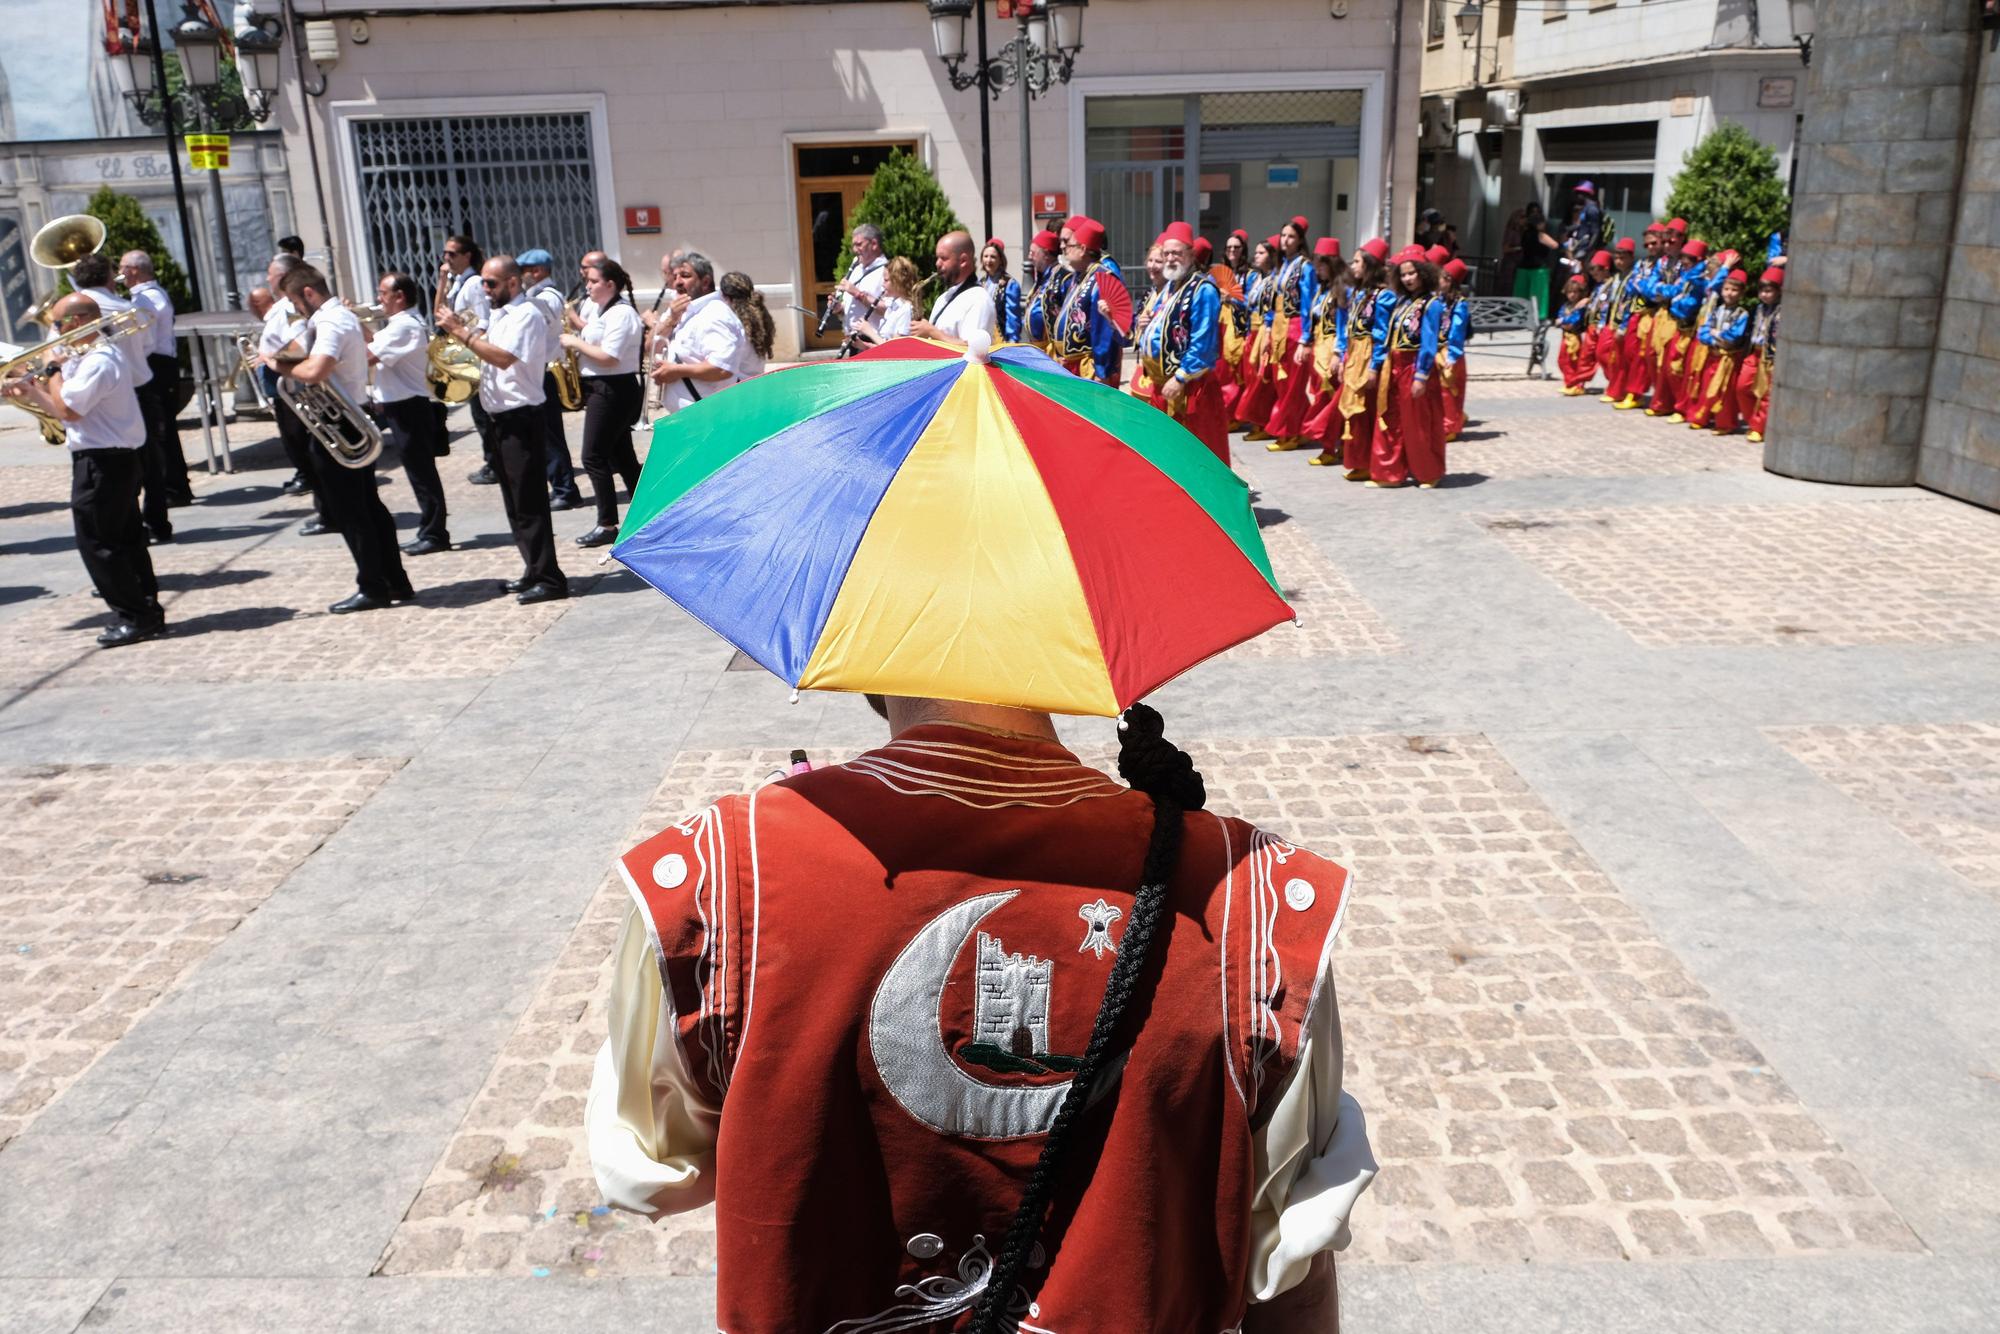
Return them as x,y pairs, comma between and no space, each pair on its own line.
1041,57
202,100
1468,20
1804,25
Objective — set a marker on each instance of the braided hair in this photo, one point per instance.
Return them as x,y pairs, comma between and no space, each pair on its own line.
612,270
1153,765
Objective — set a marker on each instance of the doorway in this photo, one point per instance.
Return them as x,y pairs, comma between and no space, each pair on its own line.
829,180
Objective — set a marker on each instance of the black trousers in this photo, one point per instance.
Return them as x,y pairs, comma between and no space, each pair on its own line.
173,463
354,507
611,406
153,497
410,425
562,473
110,536
483,424
520,449
301,451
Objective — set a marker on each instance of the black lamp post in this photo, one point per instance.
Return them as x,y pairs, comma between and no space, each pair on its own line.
1041,57
202,101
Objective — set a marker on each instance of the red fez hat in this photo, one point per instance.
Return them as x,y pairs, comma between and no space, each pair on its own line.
1410,254
1274,240
1677,225
1327,247
1437,254
1241,235
1377,249
1602,259
1456,271
1046,240
1179,231
1775,277
1087,232
1069,223
1299,221
1204,250
1739,276
996,243
1696,249
1728,258
1627,245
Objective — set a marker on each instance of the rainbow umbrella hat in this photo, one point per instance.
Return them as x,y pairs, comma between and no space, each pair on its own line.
935,521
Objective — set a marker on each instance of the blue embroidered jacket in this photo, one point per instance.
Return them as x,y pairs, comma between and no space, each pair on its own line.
1457,328
1413,326
1084,330
1184,336
1370,305
1574,318
1006,296
1727,328
1297,288
1047,301
1764,328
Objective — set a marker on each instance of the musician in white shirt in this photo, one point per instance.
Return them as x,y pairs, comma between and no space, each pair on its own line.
284,326
861,293
898,308
607,350
337,358
516,346
398,351
161,349
963,305
707,343
92,396
92,276
538,281
460,292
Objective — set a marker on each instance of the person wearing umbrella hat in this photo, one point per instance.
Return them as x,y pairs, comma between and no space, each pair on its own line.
938,1030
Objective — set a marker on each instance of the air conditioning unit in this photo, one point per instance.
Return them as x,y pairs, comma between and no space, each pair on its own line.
1503,106
1439,125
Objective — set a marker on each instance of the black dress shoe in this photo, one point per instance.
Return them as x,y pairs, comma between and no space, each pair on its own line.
425,546
565,502
542,593
156,539
600,536
313,528
128,633
403,595
181,501
482,477
296,486
358,602
514,586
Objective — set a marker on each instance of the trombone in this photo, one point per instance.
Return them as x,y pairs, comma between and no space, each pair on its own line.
38,362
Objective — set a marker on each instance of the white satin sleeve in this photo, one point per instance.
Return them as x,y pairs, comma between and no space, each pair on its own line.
1312,1160
652,1137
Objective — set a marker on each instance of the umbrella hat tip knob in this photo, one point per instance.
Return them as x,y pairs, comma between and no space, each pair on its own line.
978,346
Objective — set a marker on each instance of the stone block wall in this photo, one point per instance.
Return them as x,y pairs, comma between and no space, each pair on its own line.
1884,175
1961,442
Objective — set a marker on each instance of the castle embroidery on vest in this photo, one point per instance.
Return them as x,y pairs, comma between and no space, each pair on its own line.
1010,1013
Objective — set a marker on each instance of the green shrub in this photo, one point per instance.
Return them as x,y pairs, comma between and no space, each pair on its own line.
1730,192
126,227
910,207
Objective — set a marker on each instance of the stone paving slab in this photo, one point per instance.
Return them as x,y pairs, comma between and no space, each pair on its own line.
1334,620
1917,570
1939,784
116,882
1545,1080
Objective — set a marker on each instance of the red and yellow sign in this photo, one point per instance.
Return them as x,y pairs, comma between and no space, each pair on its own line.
208,152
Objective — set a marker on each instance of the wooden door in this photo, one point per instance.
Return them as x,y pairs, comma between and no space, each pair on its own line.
830,180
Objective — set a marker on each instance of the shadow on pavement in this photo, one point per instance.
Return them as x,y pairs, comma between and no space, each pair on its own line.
12,593
31,508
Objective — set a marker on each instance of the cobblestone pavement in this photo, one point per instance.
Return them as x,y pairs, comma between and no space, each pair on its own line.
1670,785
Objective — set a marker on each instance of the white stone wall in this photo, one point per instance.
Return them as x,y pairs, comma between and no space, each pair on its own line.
699,102
1594,33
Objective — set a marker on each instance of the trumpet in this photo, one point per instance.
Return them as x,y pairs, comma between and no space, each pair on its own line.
37,362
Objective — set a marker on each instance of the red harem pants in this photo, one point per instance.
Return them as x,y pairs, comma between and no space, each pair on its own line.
1260,393
1577,360
1604,343
1202,413
1323,409
1634,370
1410,442
1714,404
1451,407
1669,390
1752,405
1288,414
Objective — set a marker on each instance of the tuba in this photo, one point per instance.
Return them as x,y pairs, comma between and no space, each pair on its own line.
36,362
332,418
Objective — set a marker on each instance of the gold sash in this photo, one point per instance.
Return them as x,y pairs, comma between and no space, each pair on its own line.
1323,363
1761,384
1721,383
1572,344
1354,374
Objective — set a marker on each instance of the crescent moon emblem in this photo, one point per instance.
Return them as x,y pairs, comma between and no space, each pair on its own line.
906,1040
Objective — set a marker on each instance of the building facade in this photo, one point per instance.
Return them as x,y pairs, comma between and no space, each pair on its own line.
1889,353
749,131
1545,94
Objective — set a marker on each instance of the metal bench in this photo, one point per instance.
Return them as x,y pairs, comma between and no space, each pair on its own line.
1514,315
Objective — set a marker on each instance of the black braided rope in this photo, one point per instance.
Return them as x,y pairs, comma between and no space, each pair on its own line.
1152,765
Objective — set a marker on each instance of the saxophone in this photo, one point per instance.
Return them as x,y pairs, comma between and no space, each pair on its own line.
568,370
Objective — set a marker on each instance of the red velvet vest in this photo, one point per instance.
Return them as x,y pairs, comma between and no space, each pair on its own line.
882,972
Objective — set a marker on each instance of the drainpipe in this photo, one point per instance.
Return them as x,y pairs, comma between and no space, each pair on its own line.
1395,134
